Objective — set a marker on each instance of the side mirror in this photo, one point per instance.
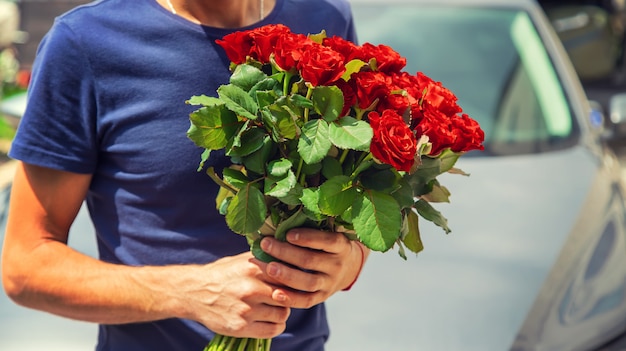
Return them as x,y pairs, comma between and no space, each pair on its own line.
597,120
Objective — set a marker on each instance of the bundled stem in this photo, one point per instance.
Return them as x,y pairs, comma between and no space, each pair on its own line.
230,343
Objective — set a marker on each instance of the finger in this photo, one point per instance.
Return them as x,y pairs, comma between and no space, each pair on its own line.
296,278
270,313
273,283
318,240
301,299
301,257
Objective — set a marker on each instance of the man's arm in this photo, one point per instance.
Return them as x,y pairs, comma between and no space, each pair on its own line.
231,296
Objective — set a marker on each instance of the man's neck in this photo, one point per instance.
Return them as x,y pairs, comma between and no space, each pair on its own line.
220,13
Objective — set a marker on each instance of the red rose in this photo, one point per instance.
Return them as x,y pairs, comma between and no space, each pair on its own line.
393,142
396,100
410,84
321,65
387,59
265,39
369,87
237,46
289,49
458,133
438,96
346,48
436,126
468,134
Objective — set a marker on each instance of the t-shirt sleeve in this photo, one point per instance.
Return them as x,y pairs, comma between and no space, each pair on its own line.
351,34
58,128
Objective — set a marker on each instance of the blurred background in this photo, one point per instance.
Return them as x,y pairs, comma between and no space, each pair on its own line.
22,25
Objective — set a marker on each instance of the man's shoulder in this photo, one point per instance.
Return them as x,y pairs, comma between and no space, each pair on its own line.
99,23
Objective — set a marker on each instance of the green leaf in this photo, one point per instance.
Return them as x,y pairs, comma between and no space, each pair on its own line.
448,159
264,99
268,84
251,141
258,252
281,122
346,217
212,127
314,144
292,198
238,101
235,178
204,100
310,199
223,200
246,211
379,179
439,193
301,101
318,37
336,195
401,250
454,170
425,210
279,167
280,186
203,158
411,236
257,160
352,67
427,171
311,169
266,92
422,180
246,77
235,142
377,220
331,167
404,194
328,102
350,133
294,221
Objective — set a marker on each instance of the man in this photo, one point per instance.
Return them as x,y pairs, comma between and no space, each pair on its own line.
106,123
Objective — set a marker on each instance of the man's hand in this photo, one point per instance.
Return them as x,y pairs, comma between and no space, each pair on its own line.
233,297
316,264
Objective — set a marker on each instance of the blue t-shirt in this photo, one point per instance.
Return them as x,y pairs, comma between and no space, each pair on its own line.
107,98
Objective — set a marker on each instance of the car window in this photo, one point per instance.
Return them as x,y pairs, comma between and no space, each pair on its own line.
492,59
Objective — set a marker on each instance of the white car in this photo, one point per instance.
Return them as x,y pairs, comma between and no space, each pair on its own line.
536,259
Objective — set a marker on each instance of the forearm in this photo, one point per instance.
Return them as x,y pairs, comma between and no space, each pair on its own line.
55,278
231,296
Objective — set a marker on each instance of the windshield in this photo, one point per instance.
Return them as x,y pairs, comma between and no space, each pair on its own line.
492,59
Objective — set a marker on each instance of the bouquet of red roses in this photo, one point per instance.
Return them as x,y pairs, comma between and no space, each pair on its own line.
325,133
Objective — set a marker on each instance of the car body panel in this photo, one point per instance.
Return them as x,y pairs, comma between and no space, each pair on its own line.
537,255
475,288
